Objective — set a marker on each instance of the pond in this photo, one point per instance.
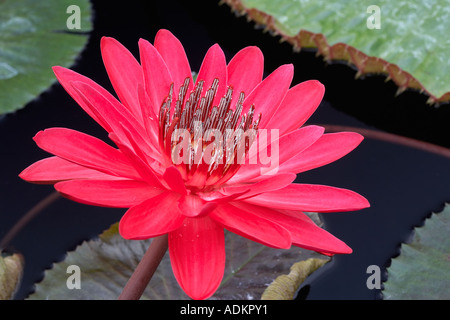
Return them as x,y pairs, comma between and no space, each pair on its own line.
404,183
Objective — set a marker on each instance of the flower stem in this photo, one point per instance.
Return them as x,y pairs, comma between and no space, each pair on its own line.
33,212
146,268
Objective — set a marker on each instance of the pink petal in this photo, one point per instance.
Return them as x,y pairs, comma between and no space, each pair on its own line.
214,66
304,232
329,148
107,193
281,150
298,105
267,96
197,254
152,218
124,72
85,150
54,169
249,225
311,198
245,71
156,75
172,51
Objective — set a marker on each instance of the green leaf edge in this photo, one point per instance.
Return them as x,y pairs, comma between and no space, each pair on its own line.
50,80
365,65
394,287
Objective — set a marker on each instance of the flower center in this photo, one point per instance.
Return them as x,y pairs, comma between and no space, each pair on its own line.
206,142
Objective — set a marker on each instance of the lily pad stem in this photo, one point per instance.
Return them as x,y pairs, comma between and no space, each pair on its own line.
146,268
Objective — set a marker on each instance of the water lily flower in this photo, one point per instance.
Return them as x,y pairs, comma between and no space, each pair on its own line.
190,160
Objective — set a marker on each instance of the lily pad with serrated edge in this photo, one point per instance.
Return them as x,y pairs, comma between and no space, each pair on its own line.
422,270
106,264
34,36
411,46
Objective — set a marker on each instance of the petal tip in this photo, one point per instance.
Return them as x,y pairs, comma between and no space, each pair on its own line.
23,175
58,70
37,137
217,50
107,41
164,33
365,203
319,85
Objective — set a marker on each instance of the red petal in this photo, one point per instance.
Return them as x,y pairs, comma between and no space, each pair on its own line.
138,161
218,197
173,178
308,235
66,77
304,232
197,254
260,165
191,205
245,71
124,72
94,99
150,119
194,206
270,184
107,193
267,96
172,51
156,75
330,147
214,66
53,169
311,198
117,117
153,217
252,226
85,150
298,105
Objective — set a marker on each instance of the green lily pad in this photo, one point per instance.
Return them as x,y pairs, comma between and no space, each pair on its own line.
422,270
105,264
11,269
408,40
34,36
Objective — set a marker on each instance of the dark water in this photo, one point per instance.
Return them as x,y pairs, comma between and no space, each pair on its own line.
403,184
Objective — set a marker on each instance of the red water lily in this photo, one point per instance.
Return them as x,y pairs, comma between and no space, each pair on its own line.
193,186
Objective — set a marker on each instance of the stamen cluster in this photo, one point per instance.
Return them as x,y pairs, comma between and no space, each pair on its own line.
207,142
